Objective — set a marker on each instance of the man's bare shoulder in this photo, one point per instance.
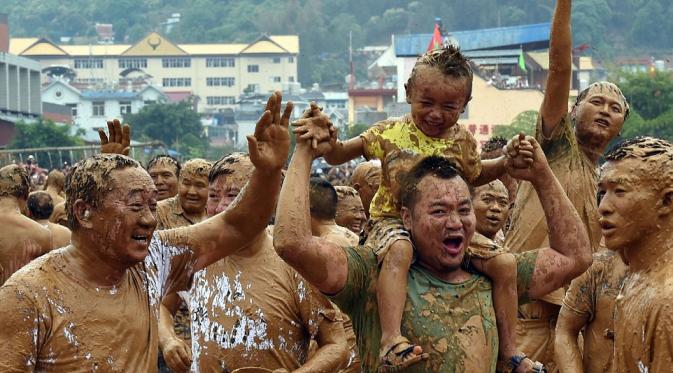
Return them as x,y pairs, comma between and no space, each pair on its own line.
60,235
342,236
20,226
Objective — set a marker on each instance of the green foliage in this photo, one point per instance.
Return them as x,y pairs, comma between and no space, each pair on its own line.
649,95
524,122
176,125
354,131
43,134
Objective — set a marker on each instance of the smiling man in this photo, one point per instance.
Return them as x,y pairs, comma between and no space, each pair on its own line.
635,195
164,171
94,305
189,205
448,311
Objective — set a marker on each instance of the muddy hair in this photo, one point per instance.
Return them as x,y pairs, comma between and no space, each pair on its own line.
323,199
90,179
14,182
604,86
56,179
228,164
450,61
198,167
494,144
656,152
437,166
40,204
164,158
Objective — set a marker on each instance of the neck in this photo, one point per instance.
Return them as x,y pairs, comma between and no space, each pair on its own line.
321,227
52,189
592,150
487,235
91,265
650,250
42,221
256,246
453,276
9,204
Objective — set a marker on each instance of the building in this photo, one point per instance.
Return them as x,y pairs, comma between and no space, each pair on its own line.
217,74
20,90
91,109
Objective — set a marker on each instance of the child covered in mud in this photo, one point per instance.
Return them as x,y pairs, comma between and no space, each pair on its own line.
438,91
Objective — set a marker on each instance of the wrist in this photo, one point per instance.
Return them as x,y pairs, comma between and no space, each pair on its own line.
543,176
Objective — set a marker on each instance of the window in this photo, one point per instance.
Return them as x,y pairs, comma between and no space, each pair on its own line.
276,60
483,129
73,109
88,63
220,100
253,68
177,82
472,128
220,82
149,102
290,59
98,109
220,62
276,79
133,63
124,107
252,88
176,62
290,79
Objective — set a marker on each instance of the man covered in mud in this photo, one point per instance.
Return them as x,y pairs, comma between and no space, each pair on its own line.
589,307
250,309
165,171
350,213
573,143
40,206
635,194
55,186
448,310
366,179
189,205
324,202
95,303
21,239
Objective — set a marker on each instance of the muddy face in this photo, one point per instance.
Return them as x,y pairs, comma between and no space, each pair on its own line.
441,223
226,187
436,101
491,206
627,205
193,193
126,218
599,118
165,179
350,213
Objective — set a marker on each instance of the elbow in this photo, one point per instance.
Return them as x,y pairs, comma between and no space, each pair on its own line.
286,246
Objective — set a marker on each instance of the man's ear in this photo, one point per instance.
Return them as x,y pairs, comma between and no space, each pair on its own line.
665,205
356,186
406,218
82,212
407,93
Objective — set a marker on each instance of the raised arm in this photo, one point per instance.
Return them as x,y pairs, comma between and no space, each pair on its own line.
569,254
228,231
345,151
491,169
312,127
555,103
320,262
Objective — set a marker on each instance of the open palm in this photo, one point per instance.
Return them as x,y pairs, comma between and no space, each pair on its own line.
270,144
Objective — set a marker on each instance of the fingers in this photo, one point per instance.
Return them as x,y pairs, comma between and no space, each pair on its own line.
253,150
285,119
277,106
271,102
263,122
103,137
111,131
126,136
126,151
185,356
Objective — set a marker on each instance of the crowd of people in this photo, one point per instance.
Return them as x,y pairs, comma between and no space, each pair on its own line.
431,256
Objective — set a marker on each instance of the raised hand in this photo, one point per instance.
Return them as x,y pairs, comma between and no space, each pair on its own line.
524,158
314,126
270,144
119,140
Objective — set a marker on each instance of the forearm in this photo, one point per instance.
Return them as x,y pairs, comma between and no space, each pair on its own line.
566,348
166,331
491,169
567,235
345,151
333,350
555,103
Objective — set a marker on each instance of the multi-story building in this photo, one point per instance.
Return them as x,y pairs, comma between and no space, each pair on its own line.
216,74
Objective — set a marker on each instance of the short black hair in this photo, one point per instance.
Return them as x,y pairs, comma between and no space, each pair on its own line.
437,166
495,143
160,158
450,61
228,164
40,205
323,199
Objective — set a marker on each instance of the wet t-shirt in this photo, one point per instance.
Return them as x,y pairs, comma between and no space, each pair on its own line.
55,321
399,144
644,320
170,214
592,296
455,323
578,176
253,312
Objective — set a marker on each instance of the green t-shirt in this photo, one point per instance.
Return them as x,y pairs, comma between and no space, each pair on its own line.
455,323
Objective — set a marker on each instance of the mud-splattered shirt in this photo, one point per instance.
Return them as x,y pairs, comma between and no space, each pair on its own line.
455,323
592,297
55,321
578,176
399,144
170,214
254,312
644,320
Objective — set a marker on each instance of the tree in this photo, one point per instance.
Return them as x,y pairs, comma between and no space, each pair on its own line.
524,122
649,95
43,134
176,125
